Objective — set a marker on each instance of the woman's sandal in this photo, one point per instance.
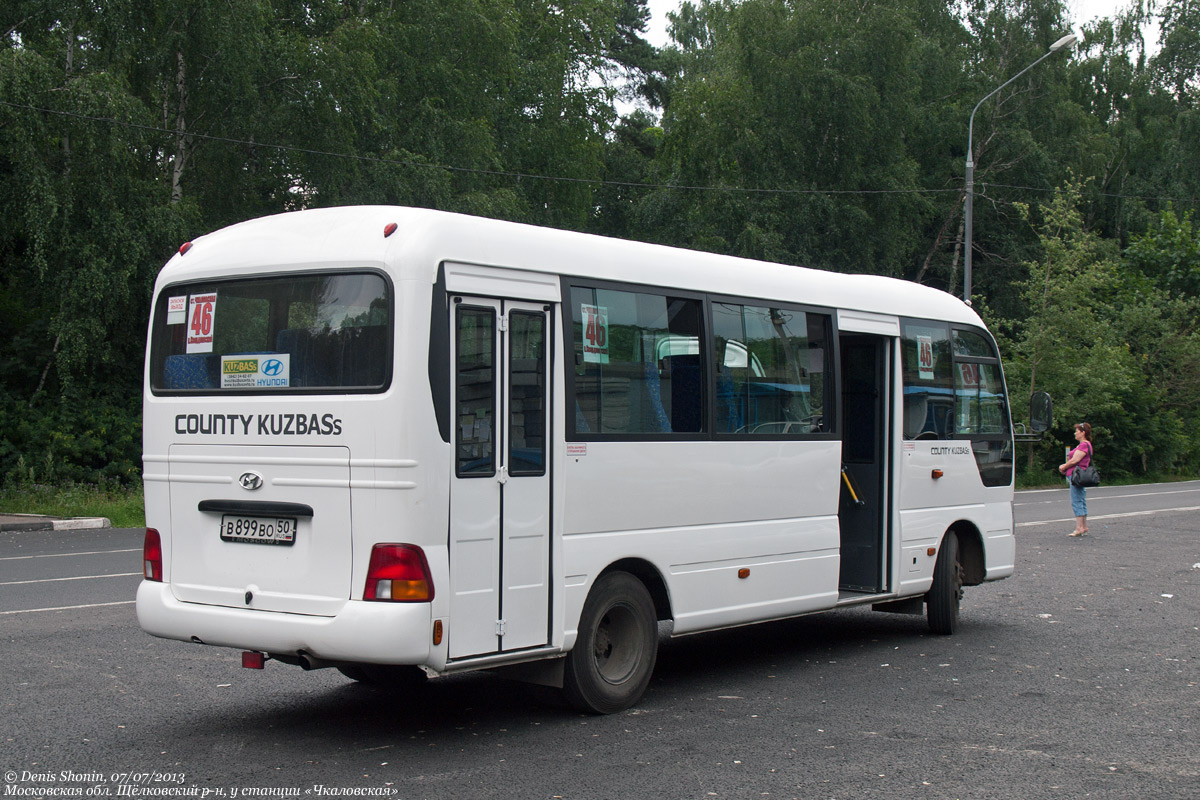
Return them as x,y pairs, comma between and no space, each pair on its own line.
1076,533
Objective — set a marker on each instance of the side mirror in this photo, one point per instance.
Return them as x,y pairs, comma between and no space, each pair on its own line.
1041,412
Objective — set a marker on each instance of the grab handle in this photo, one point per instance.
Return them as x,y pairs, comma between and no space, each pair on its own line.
850,488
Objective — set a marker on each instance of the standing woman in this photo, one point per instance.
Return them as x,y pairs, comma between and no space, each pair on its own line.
1079,458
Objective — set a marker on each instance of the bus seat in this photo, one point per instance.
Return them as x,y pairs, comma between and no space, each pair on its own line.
309,360
914,416
581,423
686,392
658,421
188,371
729,405
363,355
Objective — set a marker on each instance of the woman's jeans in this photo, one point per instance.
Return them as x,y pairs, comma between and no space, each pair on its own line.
1078,499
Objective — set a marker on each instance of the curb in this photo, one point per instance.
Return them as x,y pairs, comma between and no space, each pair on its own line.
35,522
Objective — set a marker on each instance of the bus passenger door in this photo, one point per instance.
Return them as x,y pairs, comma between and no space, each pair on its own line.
862,513
500,492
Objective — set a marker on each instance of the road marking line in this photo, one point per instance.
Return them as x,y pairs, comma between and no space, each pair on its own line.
1128,486
69,608
76,578
62,555
1106,516
1106,496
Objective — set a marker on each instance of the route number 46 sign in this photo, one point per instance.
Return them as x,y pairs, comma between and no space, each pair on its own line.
595,334
201,308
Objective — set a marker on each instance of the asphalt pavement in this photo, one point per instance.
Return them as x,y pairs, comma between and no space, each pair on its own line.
1079,677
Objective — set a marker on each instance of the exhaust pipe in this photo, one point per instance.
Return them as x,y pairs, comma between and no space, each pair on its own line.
310,662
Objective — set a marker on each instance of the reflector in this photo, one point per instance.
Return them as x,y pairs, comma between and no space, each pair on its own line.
253,660
389,229
183,248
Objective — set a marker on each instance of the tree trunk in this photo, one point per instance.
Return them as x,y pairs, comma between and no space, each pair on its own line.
183,141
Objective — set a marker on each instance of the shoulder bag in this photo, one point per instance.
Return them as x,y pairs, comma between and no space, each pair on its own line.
1089,476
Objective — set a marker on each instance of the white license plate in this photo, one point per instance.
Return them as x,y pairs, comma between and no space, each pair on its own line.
258,530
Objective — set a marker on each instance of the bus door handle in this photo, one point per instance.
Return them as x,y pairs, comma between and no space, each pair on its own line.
849,484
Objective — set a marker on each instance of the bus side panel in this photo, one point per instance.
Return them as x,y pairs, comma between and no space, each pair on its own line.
703,511
930,505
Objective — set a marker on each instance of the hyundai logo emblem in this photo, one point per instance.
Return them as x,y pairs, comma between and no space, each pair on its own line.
251,481
272,367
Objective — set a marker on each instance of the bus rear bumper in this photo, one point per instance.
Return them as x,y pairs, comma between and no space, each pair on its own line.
364,632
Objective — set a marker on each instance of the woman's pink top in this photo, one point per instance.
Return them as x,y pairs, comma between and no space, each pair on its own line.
1086,447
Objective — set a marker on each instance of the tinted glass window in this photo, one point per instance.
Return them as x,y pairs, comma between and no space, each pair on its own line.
277,334
979,399
637,363
527,393
475,392
928,381
972,345
770,367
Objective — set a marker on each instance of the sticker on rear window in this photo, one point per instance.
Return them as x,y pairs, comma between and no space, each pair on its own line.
201,309
177,310
256,371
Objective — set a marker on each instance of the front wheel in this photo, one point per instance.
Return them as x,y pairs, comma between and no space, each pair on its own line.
945,595
609,668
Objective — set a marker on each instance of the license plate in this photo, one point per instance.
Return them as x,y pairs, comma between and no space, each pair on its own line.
258,530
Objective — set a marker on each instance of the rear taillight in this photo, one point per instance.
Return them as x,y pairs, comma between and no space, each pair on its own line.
398,573
152,556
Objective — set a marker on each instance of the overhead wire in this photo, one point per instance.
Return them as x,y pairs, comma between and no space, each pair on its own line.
554,178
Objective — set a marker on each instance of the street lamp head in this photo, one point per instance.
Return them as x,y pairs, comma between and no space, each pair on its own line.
1063,43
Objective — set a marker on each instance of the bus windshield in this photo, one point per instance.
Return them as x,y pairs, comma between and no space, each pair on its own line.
282,333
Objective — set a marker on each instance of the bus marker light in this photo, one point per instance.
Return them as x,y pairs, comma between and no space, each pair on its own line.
252,659
937,473
152,556
437,631
398,573
183,248
931,551
389,229
743,573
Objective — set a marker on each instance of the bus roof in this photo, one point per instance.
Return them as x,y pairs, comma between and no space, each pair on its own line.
354,236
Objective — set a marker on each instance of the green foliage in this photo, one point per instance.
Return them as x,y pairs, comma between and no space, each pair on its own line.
803,131
97,442
1168,255
1111,347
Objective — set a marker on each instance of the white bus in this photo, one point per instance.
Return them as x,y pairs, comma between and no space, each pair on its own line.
403,442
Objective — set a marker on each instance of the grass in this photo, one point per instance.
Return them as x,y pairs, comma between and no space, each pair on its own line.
123,506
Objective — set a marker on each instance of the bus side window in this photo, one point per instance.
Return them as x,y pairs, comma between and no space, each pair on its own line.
928,384
981,406
770,365
475,392
638,369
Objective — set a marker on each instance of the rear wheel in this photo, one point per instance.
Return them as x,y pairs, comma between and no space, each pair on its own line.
945,595
609,668
385,676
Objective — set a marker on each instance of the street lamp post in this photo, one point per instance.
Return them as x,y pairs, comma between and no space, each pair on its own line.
1062,44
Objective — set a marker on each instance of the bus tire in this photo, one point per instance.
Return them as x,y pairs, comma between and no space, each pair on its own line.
385,676
609,668
945,595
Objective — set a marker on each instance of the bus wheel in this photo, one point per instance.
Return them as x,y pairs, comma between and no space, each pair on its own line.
609,667
385,676
944,596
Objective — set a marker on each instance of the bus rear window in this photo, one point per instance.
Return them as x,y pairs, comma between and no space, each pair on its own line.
283,333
